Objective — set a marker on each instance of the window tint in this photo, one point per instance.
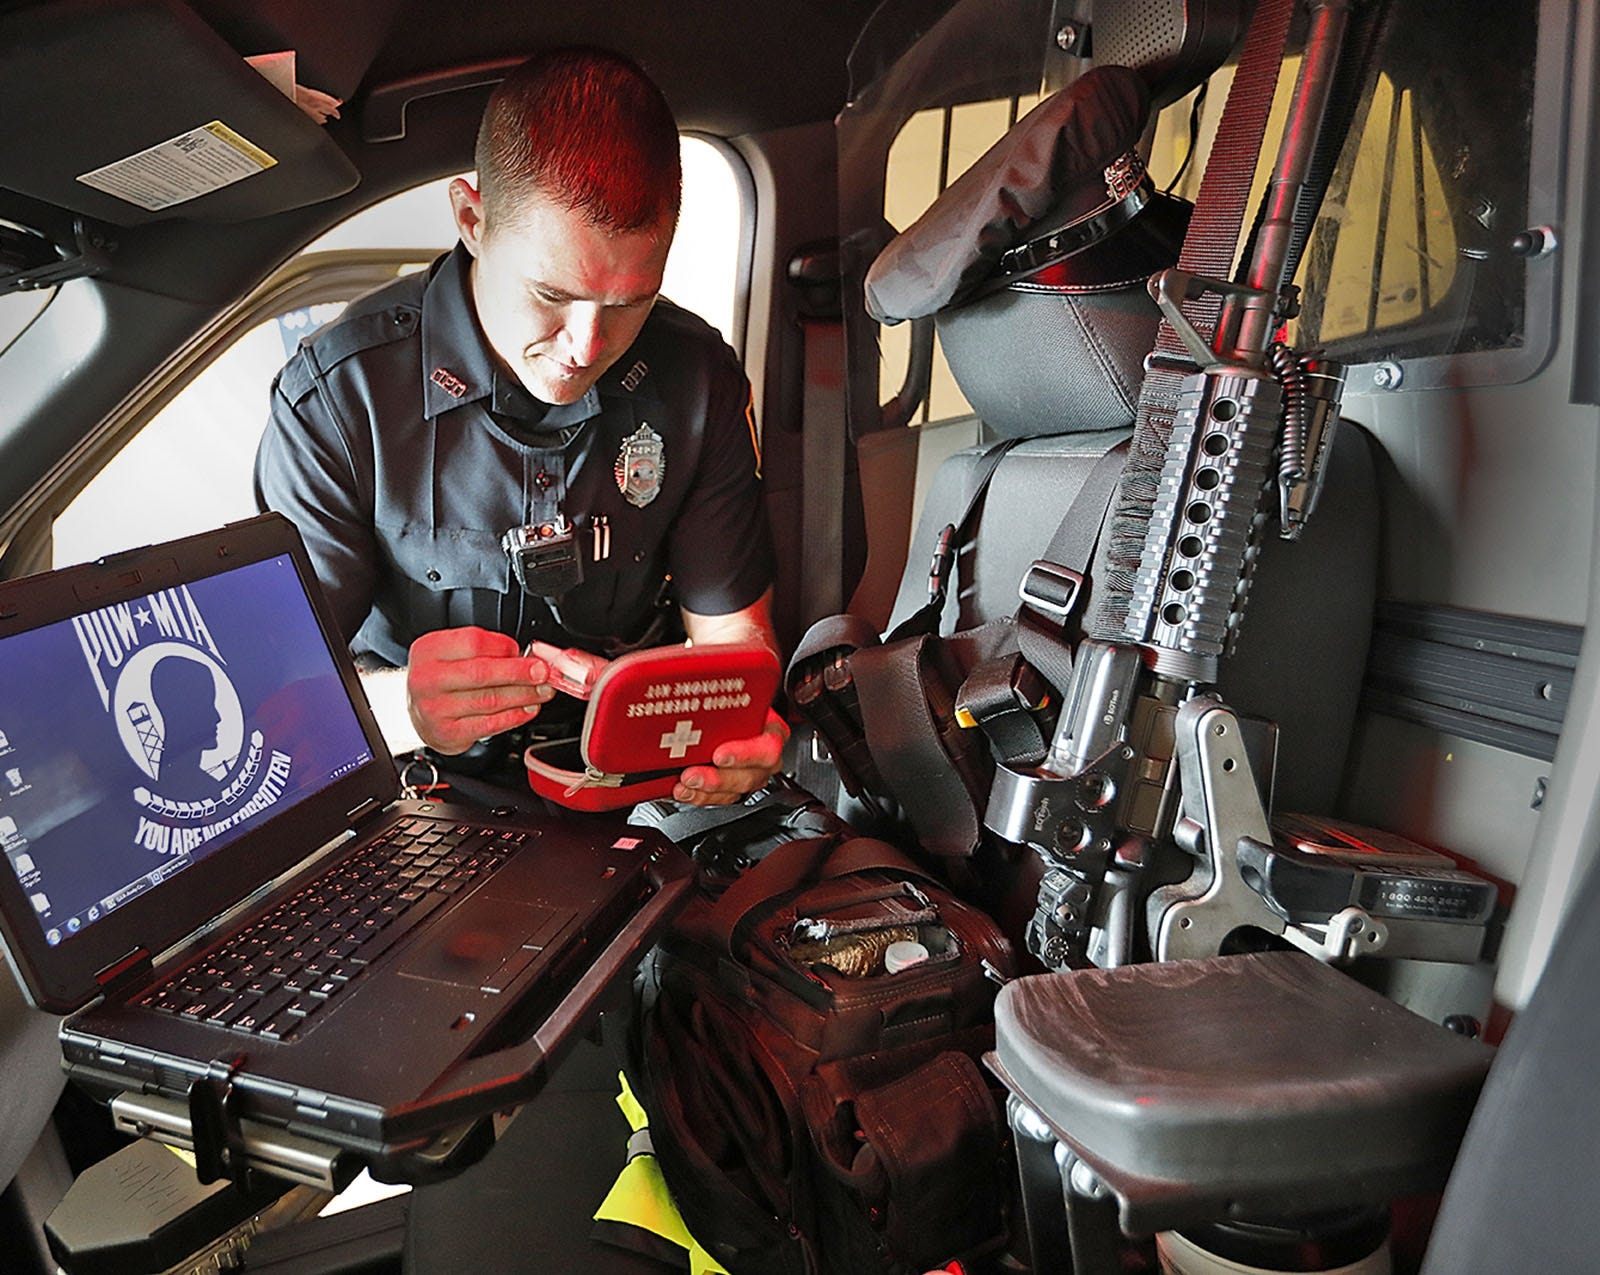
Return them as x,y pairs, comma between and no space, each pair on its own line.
189,468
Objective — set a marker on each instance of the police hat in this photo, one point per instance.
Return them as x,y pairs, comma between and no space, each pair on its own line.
1062,201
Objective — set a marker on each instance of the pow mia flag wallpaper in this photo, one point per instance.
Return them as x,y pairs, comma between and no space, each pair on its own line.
152,731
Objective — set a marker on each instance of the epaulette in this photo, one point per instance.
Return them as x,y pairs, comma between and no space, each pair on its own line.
339,341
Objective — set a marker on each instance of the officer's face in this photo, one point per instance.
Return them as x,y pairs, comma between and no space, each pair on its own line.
559,300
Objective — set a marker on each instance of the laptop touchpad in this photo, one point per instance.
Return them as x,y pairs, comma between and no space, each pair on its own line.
479,938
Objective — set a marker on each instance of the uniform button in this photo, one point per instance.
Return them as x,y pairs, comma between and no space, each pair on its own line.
638,555
433,576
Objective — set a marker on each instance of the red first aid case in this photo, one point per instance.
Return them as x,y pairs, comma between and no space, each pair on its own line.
652,713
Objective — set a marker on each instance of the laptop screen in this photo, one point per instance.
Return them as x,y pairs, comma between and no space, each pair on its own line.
138,738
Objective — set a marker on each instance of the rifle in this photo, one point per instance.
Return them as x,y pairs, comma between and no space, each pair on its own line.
1149,789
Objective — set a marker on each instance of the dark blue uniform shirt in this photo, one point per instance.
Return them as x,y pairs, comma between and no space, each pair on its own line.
403,450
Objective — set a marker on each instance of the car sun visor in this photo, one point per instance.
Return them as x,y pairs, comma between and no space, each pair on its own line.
1051,161
131,111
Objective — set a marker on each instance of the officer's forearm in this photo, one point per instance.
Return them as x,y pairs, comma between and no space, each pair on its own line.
752,624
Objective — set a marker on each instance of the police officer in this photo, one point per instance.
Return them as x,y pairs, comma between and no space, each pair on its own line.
525,443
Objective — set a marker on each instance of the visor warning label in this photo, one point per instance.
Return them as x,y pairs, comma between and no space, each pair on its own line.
182,168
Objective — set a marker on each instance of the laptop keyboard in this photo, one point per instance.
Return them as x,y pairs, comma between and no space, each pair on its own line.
274,978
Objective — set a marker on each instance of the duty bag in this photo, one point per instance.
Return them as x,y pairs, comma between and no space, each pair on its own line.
811,1111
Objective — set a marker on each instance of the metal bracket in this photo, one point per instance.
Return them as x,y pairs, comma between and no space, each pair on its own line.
1070,821
1060,816
1169,289
272,1151
1348,934
1221,808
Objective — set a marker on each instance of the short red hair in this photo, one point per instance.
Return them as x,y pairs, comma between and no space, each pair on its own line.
587,128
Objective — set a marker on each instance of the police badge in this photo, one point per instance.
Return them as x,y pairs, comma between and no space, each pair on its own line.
641,465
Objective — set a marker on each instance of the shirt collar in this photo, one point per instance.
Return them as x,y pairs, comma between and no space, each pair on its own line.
510,397
458,366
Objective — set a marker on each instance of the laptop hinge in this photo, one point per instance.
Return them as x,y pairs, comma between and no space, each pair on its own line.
132,968
355,818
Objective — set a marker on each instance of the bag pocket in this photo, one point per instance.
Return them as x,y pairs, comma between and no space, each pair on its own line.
911,1162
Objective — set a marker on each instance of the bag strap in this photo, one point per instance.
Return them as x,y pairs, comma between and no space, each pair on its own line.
679,824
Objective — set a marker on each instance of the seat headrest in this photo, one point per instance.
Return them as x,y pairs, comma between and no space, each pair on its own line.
1064,179
1035,262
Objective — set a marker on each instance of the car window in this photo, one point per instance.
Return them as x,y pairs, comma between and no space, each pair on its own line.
1417,251
189,468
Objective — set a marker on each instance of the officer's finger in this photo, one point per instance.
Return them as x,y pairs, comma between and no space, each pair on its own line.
763,750
451,722
718,785
485,701
572,671
448,676
693,789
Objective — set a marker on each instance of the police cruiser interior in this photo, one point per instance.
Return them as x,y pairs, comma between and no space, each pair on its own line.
1330,691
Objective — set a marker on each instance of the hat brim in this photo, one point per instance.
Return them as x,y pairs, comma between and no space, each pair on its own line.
1130,253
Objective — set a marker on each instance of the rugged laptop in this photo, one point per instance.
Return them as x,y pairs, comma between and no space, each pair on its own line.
210,868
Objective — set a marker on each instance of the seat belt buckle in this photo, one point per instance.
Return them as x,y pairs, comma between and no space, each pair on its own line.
1051,589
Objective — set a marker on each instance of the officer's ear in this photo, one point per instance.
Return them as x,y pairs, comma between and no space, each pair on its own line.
466,205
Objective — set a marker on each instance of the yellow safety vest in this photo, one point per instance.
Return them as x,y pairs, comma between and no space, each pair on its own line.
640,1198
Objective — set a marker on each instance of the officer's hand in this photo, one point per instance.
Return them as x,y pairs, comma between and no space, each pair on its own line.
463,685
742,766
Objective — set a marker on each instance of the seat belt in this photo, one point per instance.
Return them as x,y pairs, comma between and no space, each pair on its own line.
906,729
1000,695
949,544
824,434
